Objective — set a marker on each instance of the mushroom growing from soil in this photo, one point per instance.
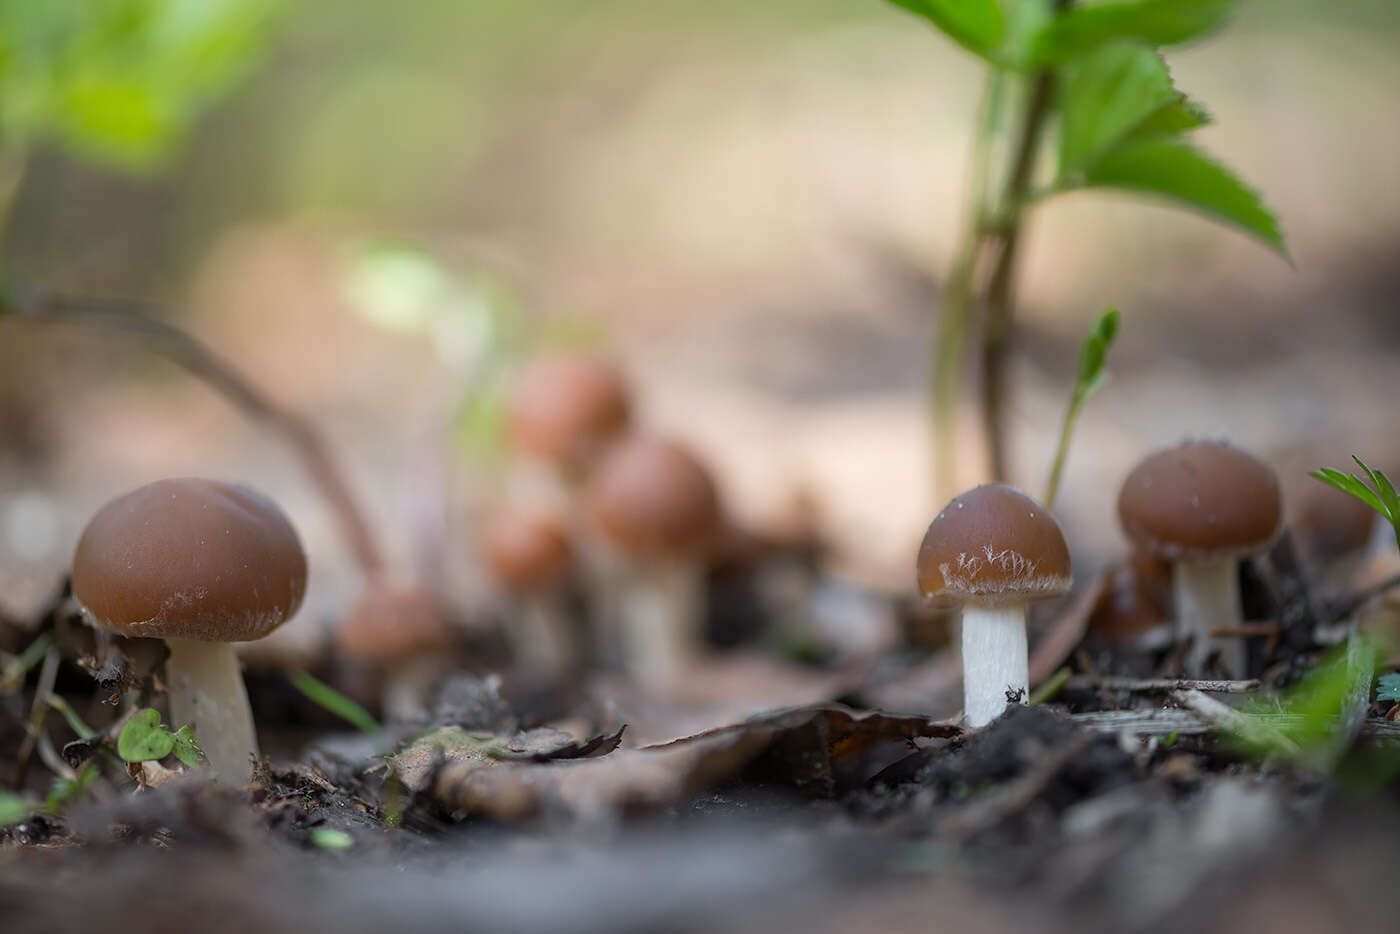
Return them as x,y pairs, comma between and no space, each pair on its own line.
994,551
200,564
401,630
529,556
1203,505
657,510
563,409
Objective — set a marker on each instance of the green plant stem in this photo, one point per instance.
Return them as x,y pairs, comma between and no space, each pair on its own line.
998,324
1057,467
949,339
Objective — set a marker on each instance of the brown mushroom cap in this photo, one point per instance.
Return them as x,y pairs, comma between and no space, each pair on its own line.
992,546
393,621
654,498
190,559
564,404
525,550
1201,501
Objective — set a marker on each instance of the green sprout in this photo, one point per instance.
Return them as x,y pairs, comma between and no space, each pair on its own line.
144,739
1088,82
1380,496
334,840
1389,687
1091,378
327,697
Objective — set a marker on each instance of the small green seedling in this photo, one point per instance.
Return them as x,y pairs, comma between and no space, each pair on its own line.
145,738
1383,498
1389,688
323,695
328,839
1092,376
65,792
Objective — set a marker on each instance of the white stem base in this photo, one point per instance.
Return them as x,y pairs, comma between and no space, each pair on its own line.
544,642
994,661
206,689
1208,597
661,608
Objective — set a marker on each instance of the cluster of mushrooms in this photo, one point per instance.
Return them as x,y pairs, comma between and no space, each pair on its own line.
1202,506
629,519
204,564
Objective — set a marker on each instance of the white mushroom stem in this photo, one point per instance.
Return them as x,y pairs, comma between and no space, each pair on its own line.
541,633
994,661
206,689
1208,597
661,607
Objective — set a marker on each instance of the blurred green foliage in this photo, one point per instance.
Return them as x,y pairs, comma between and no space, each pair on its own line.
120,81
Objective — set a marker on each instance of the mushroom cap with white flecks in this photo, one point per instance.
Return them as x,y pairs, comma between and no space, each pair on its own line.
993,546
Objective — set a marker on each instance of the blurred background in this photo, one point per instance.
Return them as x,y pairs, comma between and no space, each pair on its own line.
376,210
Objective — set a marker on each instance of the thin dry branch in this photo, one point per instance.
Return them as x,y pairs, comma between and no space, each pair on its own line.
136,318
1111,683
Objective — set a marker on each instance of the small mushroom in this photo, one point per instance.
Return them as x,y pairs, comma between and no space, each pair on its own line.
1203,505
200,564
562,411
401,630
657,510
529,556
994,551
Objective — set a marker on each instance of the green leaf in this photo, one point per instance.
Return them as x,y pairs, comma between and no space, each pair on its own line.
14,808
1156,22
328,839
1389,687
337,703
1180,116
1108,96
144,738
66,791
1182,173
1383,499
976,25
1092,355
187,748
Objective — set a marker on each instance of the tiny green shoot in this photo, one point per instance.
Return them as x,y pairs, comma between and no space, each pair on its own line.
1170,739
328,839
17,666
1380,496
323,695
1092,376
67,791
144,738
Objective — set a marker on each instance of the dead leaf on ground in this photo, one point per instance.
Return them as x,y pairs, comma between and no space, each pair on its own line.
450,745
806,747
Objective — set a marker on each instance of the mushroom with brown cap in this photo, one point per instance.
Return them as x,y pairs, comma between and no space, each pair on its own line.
1203,505
200,564
562,410
994,551
529,556
401,630
656,507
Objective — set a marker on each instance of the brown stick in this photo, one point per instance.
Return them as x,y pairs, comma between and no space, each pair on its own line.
1111,683
134,318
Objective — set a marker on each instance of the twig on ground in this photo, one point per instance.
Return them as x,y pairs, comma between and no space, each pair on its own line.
1012,798
1251,729
1111,683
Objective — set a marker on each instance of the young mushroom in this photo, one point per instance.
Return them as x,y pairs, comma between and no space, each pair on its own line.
563,409
657,509
1203,505
200,564
401,630
529,556
994,551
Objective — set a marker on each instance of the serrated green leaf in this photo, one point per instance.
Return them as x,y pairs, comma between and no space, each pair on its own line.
1080,29
1389,687
143,738
1106,97
187,748
976,25
1350,485
1180,116
1182,173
